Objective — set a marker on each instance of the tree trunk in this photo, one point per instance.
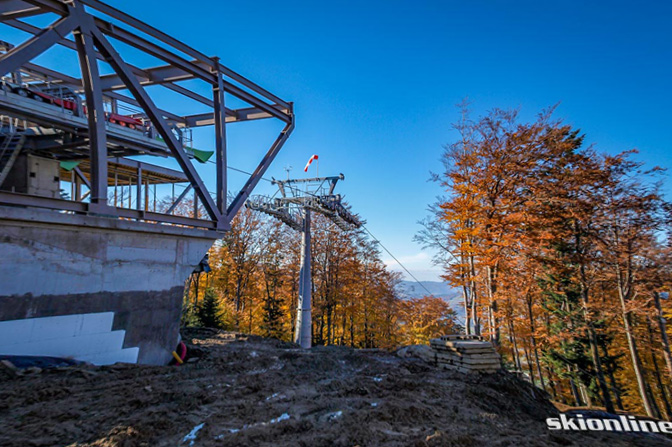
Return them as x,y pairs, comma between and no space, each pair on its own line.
612,380
534,341
474,297
529,363
663,334
514,345
585,394
467,310
575,392
551,384
492,293
634,353
659,380
592,336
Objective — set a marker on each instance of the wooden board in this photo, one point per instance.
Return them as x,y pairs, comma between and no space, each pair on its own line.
469,370
460,337
465,351
493,364
466,344
468,361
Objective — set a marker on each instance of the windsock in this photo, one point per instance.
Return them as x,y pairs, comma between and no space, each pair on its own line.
314,157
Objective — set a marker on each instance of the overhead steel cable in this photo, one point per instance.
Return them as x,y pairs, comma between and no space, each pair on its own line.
363,226
398,262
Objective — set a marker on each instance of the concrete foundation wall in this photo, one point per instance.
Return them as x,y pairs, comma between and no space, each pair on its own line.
55,264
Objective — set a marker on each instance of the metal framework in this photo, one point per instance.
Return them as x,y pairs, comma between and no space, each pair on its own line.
85,27
293,208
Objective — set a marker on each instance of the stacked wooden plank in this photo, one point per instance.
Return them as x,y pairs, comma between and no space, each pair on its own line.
465,353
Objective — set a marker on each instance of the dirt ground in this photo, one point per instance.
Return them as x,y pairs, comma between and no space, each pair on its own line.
249,391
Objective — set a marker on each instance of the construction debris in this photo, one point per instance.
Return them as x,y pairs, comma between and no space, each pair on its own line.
463,353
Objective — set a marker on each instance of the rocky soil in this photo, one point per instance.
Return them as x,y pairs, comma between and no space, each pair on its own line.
251,391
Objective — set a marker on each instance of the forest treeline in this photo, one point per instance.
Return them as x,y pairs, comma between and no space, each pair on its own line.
562,254
253,287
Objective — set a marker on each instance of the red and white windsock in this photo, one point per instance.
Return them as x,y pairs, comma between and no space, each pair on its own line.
314,157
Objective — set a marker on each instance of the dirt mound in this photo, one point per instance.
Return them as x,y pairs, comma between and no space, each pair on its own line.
253,391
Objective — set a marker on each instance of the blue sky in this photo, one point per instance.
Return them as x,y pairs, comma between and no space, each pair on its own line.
375,84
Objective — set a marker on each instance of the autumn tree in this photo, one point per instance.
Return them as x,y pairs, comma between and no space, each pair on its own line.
562,256
426,318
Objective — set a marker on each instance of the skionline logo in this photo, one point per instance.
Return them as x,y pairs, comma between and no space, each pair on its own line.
578,422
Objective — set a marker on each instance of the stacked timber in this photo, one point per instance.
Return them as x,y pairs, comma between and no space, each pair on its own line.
465,353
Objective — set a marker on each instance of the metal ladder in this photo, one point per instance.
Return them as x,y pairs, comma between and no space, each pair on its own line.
10,148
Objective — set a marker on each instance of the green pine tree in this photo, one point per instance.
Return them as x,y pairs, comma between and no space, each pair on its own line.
209,312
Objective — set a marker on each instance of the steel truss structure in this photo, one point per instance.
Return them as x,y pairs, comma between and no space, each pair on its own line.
293,208
89,28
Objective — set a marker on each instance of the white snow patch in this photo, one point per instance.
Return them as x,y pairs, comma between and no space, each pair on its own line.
282,417
191,437
335,415
374,404
377,379
254,354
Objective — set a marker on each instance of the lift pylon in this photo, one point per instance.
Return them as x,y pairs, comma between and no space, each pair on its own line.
293,207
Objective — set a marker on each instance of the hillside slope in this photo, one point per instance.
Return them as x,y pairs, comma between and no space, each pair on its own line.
260,392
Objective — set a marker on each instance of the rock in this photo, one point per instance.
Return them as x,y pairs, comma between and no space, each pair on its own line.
418,351
7,368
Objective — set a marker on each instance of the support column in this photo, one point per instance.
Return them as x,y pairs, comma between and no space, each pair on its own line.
95,116
303,330
220,147
138,199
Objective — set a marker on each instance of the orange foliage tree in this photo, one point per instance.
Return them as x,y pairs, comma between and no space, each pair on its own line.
562,257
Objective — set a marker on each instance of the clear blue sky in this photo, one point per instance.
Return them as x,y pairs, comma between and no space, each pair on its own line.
375,83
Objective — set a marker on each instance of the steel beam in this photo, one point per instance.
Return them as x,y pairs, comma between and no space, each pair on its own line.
259,171
179,199
183,48
253,100
152,76
54,6
81,176
113,58
36,45
167,74
77,83
153,49
220,144
11,198
95,114
133,164
184,63
177,73
244,114
28,28
138,195
147,29
192,95
133,40
252,86
14,9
